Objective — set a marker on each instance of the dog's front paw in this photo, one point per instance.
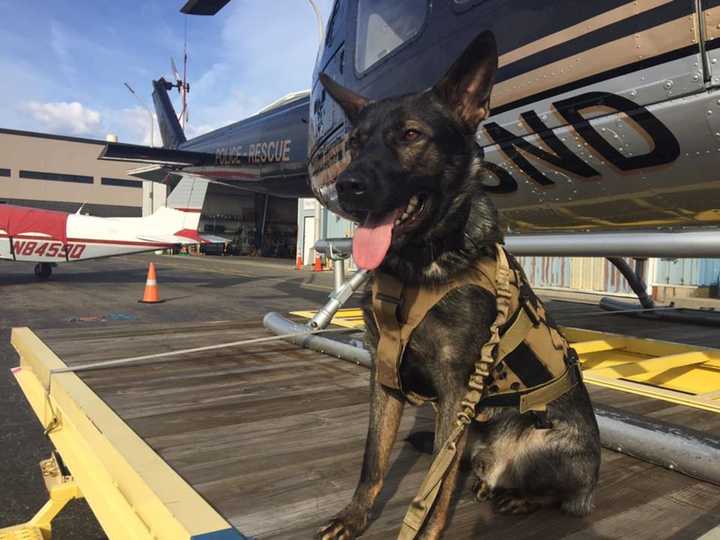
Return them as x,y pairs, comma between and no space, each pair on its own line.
481,490
510,503
347,525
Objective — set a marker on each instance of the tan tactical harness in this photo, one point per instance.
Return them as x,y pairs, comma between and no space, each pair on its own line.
498,381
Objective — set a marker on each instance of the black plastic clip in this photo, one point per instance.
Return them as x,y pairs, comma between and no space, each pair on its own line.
541,420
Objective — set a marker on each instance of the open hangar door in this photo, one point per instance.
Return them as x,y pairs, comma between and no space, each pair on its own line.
252,224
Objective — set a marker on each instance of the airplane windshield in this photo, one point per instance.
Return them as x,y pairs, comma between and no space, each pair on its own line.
384,26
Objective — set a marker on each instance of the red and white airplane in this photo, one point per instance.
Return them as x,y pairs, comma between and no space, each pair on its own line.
49,237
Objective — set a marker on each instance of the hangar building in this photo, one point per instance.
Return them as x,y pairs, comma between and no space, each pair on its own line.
56,172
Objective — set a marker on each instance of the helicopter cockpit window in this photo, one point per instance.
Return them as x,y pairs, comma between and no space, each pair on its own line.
384,26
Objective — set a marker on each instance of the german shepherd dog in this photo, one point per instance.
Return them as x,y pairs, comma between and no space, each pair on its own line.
414,182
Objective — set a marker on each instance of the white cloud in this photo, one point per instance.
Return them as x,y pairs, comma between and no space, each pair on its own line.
60,45
256,62
73,118
249,55
192,130
132,125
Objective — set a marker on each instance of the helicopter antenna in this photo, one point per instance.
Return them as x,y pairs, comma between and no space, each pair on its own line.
186,117
181,82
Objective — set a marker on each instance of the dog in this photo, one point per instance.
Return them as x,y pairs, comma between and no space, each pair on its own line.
414,182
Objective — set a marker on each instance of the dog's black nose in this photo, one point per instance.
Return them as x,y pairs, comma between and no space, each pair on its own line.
351,187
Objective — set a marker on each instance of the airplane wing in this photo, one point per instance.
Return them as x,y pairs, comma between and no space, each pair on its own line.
188,237
212,239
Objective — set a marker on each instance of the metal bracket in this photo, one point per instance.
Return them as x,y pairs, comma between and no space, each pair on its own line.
62,489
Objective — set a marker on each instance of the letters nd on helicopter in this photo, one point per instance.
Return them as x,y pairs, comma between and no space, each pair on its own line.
605,114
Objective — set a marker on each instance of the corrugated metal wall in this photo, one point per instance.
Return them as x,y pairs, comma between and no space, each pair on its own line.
691,272
575,273
599,275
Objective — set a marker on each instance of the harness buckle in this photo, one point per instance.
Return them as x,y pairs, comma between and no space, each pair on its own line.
572,357
541,420
573,364
528,301
530,312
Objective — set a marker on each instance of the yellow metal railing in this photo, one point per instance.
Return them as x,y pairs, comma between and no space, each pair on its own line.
130,489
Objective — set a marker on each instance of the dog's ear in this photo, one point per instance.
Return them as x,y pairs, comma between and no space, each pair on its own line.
467,84
350,102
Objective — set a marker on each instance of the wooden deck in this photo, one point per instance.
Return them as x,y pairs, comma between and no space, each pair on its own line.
272,436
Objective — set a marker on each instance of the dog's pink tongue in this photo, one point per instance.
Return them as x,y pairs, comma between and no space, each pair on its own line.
372,240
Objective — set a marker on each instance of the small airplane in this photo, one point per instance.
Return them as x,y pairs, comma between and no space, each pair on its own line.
49,237
605,116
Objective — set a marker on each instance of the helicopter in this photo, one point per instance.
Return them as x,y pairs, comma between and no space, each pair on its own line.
603,137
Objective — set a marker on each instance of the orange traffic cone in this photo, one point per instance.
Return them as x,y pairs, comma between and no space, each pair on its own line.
317,267
299,263
151,295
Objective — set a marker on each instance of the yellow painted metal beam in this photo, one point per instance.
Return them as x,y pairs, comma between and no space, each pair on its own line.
710,397
131,490
654,392
347,317
653,366
598,345
644,346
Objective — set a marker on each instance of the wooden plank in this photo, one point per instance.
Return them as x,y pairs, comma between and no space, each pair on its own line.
272,436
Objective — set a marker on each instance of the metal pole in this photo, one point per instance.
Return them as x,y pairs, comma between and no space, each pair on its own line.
147,109
674,447
292,331
634,280
698,243
318,17
338,273
323,317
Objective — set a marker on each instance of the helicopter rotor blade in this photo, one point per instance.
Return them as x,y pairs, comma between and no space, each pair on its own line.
175,71
203,7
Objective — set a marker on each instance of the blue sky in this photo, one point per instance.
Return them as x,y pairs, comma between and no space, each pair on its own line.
63,62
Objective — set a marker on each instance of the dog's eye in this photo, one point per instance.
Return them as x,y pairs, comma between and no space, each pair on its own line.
411,134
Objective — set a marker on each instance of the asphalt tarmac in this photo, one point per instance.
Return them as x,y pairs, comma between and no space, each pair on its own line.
103,293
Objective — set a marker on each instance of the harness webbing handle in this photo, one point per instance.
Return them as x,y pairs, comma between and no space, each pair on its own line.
429,489
419,509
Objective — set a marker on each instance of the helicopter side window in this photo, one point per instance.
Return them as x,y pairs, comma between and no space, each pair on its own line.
384,26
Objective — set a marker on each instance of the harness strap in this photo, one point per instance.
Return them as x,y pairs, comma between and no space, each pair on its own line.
514,335
421,505
385,309
429,489
537,397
